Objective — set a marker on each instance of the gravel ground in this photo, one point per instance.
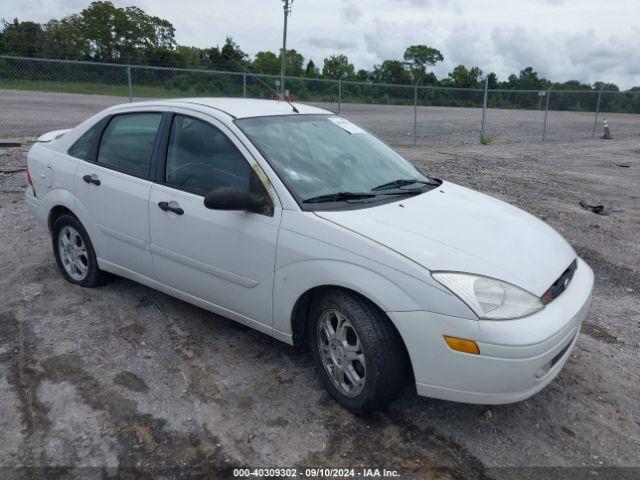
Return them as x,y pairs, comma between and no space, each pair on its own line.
118,379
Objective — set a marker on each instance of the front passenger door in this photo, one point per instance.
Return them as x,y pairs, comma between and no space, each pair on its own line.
225,258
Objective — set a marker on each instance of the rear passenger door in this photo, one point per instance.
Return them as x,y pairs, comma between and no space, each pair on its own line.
225,258
113,186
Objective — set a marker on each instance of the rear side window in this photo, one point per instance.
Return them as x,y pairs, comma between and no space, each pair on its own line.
83,148
201,158
127,143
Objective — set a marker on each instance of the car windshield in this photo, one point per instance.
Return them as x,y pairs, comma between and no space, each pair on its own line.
328,158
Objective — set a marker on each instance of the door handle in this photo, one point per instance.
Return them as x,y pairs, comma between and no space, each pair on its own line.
92,179
170,207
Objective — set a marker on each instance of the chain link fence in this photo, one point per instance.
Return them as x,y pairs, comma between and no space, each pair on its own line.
38,95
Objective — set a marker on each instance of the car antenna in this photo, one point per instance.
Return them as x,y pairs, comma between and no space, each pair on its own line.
245,70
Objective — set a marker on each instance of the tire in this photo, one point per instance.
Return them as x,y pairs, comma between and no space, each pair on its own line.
372,383
77,262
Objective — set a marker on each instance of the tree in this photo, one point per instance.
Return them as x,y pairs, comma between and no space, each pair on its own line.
294,63
190,56
461,77
493,81
607,86
107,33
101,25
22,38
232,57
528,80
61,38
266,62
572,85
421,56
141,34
338,67
391,71
212,58
311,71
362,75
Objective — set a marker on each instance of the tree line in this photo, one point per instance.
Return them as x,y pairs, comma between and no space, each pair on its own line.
103,32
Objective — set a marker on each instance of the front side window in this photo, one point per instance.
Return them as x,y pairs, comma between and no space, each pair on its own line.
326,158
127,143
201,158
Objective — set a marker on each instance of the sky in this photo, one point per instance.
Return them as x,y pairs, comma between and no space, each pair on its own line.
586,40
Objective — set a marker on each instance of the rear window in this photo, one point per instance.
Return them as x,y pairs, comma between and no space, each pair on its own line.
127,143
83,148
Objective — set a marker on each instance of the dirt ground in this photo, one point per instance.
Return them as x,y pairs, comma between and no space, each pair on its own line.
122,379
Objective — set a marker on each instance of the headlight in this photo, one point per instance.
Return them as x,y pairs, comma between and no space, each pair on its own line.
490,298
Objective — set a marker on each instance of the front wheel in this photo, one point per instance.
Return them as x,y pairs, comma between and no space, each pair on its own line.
358,354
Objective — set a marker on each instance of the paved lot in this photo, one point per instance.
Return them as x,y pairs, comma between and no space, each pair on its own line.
25,114
124,377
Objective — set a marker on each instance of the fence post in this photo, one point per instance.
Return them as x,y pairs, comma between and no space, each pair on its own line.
244,85
415,114
339,95
546,112
129,82
484,107
595,122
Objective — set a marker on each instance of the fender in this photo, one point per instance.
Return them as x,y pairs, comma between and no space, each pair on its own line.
293,280
63,197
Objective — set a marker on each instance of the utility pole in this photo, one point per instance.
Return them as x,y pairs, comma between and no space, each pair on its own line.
484,107
283,52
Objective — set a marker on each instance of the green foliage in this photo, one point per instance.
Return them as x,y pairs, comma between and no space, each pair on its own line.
462,77
25,38
493,81
266,62
391,71
486,140
420,57
311,71
338,67
294,63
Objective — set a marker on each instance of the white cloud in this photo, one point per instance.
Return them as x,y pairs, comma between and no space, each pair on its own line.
351,12
585,40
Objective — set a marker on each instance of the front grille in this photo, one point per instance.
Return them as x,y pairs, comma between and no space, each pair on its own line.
560,284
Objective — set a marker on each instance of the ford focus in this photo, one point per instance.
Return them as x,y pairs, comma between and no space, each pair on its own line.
302,225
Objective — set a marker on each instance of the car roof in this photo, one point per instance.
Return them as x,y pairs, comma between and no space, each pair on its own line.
248,107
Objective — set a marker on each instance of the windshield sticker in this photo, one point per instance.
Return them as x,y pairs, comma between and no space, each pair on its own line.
346,124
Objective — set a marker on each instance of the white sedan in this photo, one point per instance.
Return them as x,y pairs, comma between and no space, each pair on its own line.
304,226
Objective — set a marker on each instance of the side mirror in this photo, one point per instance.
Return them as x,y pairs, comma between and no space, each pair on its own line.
233,198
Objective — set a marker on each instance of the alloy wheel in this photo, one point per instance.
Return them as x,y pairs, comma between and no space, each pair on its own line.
73,253
341,352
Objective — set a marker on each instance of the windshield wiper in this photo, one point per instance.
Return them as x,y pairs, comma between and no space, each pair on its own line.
336,197
401,182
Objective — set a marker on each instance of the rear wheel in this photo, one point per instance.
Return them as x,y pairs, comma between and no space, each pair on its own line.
74,253
358,354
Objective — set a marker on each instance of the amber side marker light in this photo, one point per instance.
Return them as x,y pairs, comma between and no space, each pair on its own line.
462,345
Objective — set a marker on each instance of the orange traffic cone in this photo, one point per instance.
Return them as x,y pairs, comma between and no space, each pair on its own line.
606,134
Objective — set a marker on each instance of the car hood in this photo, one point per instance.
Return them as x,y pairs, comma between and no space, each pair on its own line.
458,229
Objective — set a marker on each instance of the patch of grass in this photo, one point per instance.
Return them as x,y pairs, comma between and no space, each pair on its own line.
96,88
486,140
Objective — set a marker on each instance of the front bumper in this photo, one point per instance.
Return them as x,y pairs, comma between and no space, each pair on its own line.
512,352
